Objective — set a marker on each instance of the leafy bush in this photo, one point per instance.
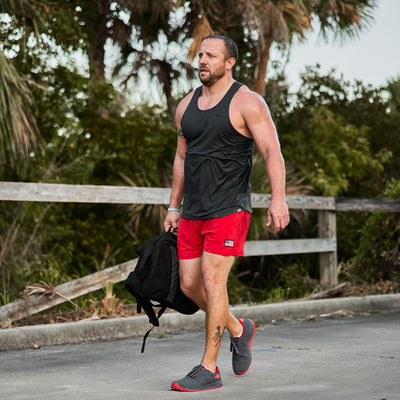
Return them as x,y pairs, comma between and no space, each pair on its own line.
378,254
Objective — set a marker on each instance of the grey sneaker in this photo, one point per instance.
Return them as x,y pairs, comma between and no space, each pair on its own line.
241,347
198,379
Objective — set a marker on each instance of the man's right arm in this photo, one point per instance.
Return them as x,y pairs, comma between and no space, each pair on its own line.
178,180
178,184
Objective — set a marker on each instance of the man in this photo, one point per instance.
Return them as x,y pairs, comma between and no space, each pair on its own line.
218,124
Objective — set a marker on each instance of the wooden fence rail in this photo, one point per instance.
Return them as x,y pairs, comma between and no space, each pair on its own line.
325,244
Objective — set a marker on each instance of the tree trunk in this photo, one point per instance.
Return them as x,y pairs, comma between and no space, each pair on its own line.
260,71
96,51
170,99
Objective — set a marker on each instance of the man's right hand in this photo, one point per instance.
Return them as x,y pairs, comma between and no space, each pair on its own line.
172,221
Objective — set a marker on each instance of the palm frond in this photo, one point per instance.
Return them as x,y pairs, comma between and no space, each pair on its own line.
343,18
18,129
46,289
154,213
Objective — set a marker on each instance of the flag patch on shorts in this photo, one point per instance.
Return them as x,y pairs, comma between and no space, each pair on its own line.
229,243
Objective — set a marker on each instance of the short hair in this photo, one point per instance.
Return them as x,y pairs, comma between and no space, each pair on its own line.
230,45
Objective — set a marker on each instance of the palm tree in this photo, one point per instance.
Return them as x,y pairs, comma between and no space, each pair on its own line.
280,21
136,27
272,21
345,19
149,41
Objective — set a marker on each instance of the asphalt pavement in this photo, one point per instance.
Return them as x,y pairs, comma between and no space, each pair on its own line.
340,355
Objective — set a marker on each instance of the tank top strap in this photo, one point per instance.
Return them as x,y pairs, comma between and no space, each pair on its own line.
196,94
231,92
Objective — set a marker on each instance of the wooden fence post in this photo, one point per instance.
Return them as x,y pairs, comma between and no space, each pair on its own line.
327,260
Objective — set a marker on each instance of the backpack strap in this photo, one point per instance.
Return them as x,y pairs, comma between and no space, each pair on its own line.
145,337
161,312
148,309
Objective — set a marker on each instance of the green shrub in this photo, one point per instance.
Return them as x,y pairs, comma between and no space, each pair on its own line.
378,254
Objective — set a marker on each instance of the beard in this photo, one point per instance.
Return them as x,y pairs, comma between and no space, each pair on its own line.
209,78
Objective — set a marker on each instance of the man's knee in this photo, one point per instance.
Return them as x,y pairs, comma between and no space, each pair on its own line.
189,287
215,271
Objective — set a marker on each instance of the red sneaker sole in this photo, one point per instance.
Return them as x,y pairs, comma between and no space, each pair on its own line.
175,386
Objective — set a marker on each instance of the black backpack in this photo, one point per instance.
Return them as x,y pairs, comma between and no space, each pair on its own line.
155,280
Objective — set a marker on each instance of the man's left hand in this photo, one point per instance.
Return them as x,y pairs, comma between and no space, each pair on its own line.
278,214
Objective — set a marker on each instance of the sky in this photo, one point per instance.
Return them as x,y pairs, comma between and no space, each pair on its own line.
373,57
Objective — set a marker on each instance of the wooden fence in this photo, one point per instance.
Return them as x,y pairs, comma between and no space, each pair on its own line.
325,244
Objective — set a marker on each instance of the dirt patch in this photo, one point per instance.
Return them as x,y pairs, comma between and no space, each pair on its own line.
368,289
129,310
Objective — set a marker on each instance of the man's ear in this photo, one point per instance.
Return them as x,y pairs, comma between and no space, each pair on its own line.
230,62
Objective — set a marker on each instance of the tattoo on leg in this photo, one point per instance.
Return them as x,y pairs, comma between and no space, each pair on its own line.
218,336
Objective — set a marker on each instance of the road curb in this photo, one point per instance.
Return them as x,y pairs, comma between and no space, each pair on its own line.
87,331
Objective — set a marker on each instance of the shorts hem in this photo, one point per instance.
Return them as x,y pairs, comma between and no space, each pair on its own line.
190,257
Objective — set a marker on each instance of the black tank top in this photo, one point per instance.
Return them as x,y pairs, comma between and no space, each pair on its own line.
218,161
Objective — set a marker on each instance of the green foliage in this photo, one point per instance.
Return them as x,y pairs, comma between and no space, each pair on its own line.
342,136
239,292
329,153
338,136
269,278
295,280
378,254
65,23
21,258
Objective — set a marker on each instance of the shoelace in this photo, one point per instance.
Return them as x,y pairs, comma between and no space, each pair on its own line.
195,371
234,348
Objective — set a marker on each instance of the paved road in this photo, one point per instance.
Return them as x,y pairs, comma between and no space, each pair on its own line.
344,358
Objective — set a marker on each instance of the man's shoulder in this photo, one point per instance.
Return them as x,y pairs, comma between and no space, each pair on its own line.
183,104
247,98
245,93
187,98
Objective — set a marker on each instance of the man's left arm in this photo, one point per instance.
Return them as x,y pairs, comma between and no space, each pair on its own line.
259,122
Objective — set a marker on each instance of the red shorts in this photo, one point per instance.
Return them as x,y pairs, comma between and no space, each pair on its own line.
224,236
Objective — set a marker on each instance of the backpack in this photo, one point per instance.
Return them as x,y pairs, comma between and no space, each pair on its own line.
155,280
